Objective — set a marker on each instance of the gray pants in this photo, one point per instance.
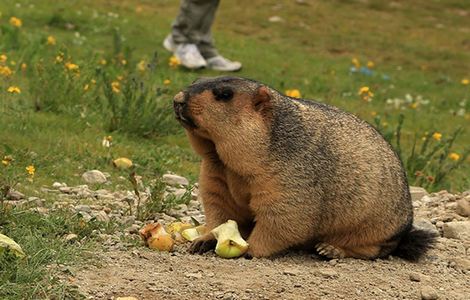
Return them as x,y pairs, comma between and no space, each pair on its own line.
193,25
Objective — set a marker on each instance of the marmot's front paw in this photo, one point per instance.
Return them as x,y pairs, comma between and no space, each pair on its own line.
203,244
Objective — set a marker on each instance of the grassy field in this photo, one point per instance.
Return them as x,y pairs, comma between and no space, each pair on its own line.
91,69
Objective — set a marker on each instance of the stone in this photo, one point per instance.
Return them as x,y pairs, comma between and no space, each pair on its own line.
57,185
65,190
83,208
428,293
102,216
14,195
417,193
275,19
172,179
71,237
94,176
193,275
425,225
457,230
415,277
462,264
328,273
291,272
463,207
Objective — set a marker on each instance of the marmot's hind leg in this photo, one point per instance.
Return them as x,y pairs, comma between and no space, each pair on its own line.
364,252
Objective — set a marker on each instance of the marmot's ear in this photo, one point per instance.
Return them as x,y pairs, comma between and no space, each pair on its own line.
262,99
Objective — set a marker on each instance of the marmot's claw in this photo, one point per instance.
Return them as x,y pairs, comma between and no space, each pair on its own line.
201,246
329,251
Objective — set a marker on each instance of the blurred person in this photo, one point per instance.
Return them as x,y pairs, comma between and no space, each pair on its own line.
191,41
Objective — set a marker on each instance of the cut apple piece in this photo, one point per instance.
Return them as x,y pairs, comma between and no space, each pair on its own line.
230,244
193,233
156,237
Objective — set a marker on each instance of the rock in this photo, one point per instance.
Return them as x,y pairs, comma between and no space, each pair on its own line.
463,207
417,193
65,190
462,264
14,195
328,273
457,230
57,185
425,225
179,193
428,293
94,176
193,275
83,208
291,272
71,237
415,277
102,216
275,19
172,179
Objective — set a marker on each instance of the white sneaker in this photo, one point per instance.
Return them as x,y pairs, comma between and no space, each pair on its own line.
220,63
188,54
169,44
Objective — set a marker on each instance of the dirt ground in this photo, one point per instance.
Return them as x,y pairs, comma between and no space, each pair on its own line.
444,273
146,274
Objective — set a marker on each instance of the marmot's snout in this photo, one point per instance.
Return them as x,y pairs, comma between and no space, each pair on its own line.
180,106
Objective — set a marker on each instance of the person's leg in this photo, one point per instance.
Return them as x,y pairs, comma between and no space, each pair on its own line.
193,25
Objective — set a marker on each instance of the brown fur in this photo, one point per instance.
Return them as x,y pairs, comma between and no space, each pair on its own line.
293,172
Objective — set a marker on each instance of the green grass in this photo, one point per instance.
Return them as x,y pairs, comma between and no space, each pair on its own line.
418,48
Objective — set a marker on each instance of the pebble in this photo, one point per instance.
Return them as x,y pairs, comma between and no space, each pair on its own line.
71,237
94,176
327,273
275,19
102,216
417,193
462,264
428,293
172,179
193,275
83,208
415,277
463,207
457,230
291,272
15,195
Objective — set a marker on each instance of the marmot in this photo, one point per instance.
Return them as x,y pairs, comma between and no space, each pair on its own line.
296,173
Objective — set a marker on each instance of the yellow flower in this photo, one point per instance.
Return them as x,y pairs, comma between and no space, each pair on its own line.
5,71
106,142
454,156
7,160
59,58
365,93
71,66
465,81
15,22
142,66
14,90
294,93
51,40
115,86
356,62
86,87
370,64
93,81
174,62
31,170
3,58
24,66
124,62
120,77
103,62
437,136
13,63
414,105
166,82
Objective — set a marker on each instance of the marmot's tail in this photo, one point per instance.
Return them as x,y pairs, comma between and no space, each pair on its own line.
414,244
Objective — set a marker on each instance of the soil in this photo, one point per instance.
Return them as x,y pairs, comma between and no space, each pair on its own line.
444,273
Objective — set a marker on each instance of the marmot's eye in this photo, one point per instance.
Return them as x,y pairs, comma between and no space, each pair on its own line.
223,93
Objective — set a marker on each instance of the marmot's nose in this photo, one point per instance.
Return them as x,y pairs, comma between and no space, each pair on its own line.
179,98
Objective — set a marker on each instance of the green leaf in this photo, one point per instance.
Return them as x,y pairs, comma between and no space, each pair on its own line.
7,243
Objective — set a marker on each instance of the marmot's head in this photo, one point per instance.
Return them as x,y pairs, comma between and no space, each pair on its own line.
215,107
